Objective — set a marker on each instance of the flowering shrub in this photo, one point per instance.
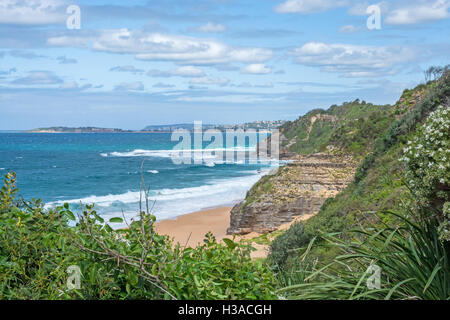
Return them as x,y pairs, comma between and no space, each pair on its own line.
428,167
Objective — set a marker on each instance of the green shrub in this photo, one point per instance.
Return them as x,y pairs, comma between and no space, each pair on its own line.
436,94
414,264
216,271
378,187
427,161
37,247
282,247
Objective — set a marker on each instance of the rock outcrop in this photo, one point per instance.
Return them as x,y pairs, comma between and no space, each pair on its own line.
298,188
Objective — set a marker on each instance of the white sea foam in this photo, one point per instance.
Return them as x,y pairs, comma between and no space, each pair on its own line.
102,201
2,168
206,157
204,153
153,171
169,203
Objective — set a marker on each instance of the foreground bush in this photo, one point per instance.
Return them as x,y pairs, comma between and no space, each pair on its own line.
412,264
409,247
40,249
427,161
284,245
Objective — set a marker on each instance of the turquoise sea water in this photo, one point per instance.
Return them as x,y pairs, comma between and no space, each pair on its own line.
105,169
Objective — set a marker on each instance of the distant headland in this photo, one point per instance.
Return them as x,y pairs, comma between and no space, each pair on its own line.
258,125
77,130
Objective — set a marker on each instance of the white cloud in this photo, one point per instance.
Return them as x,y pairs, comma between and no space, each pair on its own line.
308,6
38,78
210,81
406,12
235,98
130,86
69,85
353,60
131,69
156,46
257,68
65,60
419,13
359,8
400,12
69,41
249,85
211,28
349,29
188,71
32,12
163,85
73,85
185,71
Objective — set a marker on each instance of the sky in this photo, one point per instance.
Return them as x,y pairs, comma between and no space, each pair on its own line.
128,64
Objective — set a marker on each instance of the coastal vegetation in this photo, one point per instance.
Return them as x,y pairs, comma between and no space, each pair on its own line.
38,248
392,219
394,215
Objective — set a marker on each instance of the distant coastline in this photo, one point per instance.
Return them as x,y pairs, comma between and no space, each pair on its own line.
77,130
256,125
83,130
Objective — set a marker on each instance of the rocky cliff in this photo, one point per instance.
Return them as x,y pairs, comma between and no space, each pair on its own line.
324,147
299,188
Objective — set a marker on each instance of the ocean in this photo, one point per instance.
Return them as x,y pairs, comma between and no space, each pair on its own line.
105,169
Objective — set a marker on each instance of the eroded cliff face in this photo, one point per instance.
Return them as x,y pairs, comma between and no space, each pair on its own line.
296,189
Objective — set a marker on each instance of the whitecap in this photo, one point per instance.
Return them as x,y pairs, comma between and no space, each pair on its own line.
209,163
172,202
102,201
204,153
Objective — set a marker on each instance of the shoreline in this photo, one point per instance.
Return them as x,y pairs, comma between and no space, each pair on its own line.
189,229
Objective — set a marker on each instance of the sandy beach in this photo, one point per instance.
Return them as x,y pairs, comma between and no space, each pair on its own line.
190,229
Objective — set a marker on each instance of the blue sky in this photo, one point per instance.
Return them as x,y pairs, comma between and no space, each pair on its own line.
135,63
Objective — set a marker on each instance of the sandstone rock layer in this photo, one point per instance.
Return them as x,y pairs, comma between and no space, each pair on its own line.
299,188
